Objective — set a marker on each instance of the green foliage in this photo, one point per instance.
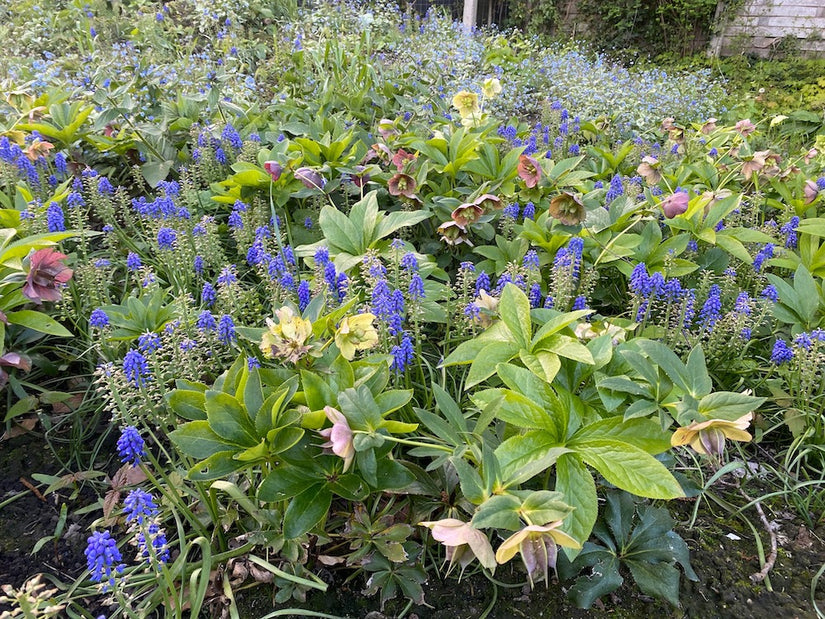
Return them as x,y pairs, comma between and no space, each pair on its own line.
634,536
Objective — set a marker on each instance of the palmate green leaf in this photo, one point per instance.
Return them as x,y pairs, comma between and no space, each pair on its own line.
555,323
196,439
575,482
603,578
306,510
468,351
188,404
472,486
518,410
524,456
396,221
514,309
287,481
339,230
498,512
216,466
228,419
728,405
544,365
646,434
660,580
449,408
542,507
488,358
629,468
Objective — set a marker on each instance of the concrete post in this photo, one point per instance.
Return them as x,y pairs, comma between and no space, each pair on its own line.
470,11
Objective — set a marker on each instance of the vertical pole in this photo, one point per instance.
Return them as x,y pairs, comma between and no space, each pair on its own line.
470,10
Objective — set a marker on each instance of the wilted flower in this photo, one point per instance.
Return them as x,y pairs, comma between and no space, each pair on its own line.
649,170
46,272
310,178
273,168
529,170
487,307
811,192
339,436
467,214
491,87
675,204
537,545
356,333
466,103
37,149
709,126
453,234
755,163
567,208
287,339
402,185
463,542
745,127
708,437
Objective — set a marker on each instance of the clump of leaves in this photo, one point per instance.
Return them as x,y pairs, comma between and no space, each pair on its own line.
635,536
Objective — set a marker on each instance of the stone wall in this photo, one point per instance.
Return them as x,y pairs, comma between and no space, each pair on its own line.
768,27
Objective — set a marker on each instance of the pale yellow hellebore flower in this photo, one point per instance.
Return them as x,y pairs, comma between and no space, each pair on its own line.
466,103
537,545
491,87
356,333
708,437
463,542
286,340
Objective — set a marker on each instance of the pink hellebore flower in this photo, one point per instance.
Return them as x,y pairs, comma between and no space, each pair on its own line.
402,185
709,126
675,204
13,360
273,168
537,545
745,127
453,233
529,170
488,202
46,273
649,170
463,542
400,159
339,436
467,214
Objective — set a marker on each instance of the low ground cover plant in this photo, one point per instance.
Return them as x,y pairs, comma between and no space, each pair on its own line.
329,311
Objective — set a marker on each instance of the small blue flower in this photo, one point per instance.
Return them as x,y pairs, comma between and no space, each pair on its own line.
98,319
208,294
483,283
226,330
529,211
197,265
531,260
781,353
711,310
130,446
252,363
763,255
167,238
139,506
148,342
416,289
55,220
615,190
206,321
304,294
136,368
103,558
535,296
770,293
402,355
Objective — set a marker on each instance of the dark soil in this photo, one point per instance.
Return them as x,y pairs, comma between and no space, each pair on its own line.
722,562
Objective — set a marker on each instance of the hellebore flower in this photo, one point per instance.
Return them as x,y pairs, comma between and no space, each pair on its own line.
649,170
287,339
745,127
529,170
537,545
488,202
708,437
567,208
453,233
491,88
13,360
400,159
466,103
386,128
339,436
755,163
402,185
310,178
467,214
811,191
463,542
45,273
675,204
356,333
274,169
709,126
